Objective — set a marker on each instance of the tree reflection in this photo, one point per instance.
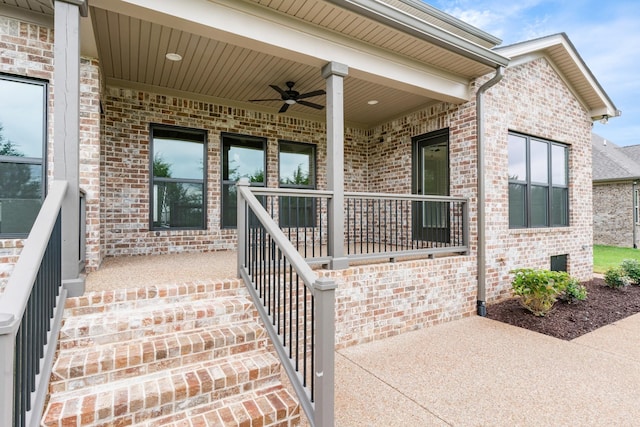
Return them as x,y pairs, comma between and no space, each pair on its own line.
16,180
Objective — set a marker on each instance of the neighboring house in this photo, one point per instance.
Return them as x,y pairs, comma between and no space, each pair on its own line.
417,102
616,172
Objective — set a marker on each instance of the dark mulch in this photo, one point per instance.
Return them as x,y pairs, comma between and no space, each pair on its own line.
568,321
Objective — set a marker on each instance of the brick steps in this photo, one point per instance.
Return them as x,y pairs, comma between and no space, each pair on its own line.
81,367
173,355
148,320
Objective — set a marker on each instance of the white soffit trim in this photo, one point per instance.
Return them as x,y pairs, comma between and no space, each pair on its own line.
255,27
528,51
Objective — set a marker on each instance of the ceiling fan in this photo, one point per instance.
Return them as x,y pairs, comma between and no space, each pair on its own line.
291,97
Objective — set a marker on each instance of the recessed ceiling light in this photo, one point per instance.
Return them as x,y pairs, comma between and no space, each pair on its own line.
172,56
372,102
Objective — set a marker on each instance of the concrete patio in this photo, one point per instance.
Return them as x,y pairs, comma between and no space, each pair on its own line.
471,372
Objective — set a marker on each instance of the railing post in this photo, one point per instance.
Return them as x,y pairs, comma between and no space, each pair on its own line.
242,224
7,354
334,74
324,295
465,225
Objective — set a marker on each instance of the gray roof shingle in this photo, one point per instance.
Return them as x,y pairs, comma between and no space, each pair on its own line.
611,162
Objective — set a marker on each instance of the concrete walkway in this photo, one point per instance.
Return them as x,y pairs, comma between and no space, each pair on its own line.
480,372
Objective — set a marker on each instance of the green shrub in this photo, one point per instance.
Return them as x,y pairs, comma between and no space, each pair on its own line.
631,268
616,278
538,289
574,292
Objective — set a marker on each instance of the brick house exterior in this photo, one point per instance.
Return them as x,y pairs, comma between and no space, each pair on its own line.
534,98
616,171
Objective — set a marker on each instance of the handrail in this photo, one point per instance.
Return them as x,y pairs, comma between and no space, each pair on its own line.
31,310
411,197
318,402
301,267
16,294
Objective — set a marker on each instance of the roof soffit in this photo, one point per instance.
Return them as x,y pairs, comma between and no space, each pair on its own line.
564,58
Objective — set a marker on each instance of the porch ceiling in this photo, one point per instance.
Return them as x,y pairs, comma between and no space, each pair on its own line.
284,40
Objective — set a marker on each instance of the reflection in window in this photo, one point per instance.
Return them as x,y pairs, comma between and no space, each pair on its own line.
297,169
242,157
178,177
538,183
22,147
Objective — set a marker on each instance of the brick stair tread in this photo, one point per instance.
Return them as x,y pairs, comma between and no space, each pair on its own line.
132,298
164,392
125,325
273,406
78,367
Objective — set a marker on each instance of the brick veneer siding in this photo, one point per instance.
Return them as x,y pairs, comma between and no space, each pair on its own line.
125,161
613,214
26,50
532,99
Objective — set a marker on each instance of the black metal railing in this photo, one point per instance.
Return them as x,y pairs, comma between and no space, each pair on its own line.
30,315
295,305
33,334
390,225
303,217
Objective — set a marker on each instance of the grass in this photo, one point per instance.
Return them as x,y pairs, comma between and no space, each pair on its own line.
605,257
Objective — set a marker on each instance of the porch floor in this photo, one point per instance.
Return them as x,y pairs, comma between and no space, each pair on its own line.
474,371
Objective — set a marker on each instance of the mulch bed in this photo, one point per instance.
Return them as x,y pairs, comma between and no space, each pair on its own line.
603,306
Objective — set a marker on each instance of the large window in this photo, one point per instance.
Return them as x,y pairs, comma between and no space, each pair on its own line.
538,182
178,170
297,169
23,136
242,156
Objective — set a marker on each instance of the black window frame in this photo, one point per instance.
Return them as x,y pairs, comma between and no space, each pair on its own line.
228,139
16,160
182,133
527,184
308,220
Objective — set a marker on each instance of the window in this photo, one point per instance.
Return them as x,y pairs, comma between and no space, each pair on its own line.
242,156
636,206
178,169
23,136
297,169
538,182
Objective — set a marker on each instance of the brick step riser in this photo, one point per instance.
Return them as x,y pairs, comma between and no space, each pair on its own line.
115,306
184,292
131,324
95,368
275,407
166,393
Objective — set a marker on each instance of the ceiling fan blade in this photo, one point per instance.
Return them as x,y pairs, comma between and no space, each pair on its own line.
310,94
270,99
277,89
311,104
284,108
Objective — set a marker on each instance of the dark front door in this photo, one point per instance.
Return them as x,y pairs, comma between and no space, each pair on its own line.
431,220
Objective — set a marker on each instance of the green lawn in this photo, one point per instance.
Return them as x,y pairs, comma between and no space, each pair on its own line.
605,257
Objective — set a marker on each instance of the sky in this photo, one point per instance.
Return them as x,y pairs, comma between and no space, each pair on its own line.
606,34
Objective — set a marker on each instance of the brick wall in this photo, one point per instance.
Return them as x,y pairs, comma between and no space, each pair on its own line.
532,99
382,300
26,50
125,162
613,214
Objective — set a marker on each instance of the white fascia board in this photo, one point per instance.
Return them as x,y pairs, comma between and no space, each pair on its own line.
258,28
527,51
